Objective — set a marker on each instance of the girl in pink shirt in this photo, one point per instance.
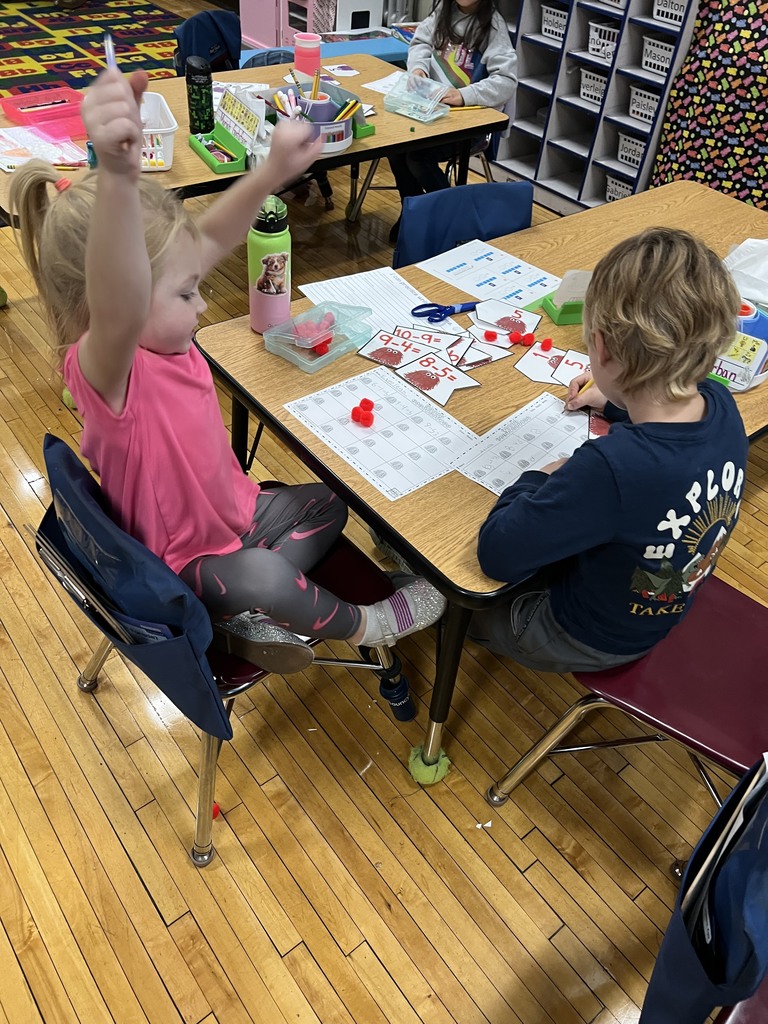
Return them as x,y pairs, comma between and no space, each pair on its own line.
118,263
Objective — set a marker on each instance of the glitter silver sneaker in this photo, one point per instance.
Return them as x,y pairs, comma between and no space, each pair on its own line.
256,638
423,607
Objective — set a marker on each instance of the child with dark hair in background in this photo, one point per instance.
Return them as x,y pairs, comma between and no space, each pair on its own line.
118,262
612,543
465,45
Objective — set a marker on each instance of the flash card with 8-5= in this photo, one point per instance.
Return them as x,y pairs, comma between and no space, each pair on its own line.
436,377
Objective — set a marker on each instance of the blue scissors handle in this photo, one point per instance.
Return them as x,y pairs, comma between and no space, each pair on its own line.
435,313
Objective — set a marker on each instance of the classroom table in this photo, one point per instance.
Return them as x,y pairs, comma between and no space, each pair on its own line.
190,176
435,528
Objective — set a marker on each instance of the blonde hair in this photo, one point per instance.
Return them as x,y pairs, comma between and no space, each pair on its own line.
53,232
666,306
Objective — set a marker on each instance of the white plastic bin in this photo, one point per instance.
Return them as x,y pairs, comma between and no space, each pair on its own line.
593,85
643,103
670,11
603,36
553,22
657,55
616,189
160,127
630,150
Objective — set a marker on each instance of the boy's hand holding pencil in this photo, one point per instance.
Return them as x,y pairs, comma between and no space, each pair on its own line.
582,394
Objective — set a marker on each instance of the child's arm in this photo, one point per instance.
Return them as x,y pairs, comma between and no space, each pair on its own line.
420,49
118,277
500,61
225,224
543,519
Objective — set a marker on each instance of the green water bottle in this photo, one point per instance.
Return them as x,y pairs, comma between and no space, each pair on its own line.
269,266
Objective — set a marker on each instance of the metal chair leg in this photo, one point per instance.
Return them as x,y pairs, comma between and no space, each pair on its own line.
499,792
356,199
202,852
88,679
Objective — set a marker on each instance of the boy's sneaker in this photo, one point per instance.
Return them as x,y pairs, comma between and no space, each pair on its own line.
256,638
389,552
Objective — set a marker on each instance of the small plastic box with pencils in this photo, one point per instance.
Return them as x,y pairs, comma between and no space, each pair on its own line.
336,112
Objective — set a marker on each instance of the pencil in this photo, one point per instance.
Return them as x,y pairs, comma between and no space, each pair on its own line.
298,84
347,110
584,387
475,106
315,85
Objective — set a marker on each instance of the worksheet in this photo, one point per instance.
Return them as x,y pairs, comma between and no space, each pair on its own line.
390,297
485,272
535,435
410,443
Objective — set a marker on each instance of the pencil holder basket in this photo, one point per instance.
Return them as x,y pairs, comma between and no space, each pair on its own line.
321,109
336,135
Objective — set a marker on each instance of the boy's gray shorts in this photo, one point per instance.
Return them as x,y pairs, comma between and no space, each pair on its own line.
523,628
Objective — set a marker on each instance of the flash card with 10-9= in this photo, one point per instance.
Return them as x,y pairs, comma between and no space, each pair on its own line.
441,340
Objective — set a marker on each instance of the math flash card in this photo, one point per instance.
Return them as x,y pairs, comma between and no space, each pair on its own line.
540,366
436,377
480,355
571,365
505,317
390,350
441,340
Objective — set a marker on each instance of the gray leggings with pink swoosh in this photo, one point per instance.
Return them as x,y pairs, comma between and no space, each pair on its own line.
292,529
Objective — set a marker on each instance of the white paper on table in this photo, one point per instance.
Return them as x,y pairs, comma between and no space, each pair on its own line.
571,365
342,70
390,297
411,443
485,272
540,366
384,85
534,436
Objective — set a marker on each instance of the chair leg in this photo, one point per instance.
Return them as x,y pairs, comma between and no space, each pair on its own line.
88,679
499,792
202,850
356,199
486,165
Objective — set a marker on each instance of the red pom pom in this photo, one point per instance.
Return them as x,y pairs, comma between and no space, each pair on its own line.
528,339
546,345
490,335
366,404
515,337
357,412
366,418
322,348
216,810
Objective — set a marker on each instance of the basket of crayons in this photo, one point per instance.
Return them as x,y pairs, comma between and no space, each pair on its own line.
332,118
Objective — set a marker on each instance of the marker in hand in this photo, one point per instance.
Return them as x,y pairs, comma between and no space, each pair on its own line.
109,51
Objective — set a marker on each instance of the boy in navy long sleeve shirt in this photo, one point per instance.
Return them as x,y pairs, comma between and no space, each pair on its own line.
610,545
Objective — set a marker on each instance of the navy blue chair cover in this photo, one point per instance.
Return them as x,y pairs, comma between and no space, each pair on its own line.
691,978
127,576
213,35
439,221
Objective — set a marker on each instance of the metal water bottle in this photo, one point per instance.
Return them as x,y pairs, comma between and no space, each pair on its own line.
199,95
269,266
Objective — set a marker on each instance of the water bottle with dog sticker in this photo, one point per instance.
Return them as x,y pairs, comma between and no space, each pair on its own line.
269,266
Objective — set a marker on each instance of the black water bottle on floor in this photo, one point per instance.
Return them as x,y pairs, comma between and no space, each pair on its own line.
199,95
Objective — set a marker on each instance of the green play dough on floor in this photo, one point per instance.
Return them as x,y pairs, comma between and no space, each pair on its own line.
68,400
427,774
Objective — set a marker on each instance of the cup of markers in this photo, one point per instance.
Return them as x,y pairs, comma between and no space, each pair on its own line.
331,120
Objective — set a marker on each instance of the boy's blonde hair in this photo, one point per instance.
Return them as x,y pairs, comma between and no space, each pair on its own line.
666,306
53,232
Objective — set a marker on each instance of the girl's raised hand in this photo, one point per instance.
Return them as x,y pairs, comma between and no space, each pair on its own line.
111,116
292,150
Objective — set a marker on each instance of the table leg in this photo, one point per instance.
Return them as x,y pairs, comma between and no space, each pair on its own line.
454,630
240,432
462,164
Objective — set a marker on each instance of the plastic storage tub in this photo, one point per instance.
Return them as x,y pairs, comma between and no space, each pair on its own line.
616,189
603,36
643,103
670,11
657,55
159,127
315,338
593,86
553,22
631,150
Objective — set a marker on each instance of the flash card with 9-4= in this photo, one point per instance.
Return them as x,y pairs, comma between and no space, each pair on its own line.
436,377
390,350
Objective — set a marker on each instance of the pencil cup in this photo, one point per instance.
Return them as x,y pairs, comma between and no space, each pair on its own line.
322,108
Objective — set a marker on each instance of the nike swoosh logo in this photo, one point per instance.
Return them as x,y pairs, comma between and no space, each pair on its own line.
319,623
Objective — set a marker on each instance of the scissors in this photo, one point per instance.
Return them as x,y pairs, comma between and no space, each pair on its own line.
435,314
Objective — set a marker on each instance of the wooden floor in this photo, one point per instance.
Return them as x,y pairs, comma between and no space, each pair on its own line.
342,893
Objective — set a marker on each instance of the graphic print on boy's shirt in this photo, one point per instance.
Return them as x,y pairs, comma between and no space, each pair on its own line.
700,527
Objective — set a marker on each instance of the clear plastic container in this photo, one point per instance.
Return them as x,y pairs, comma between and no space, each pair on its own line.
320,335
417,98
